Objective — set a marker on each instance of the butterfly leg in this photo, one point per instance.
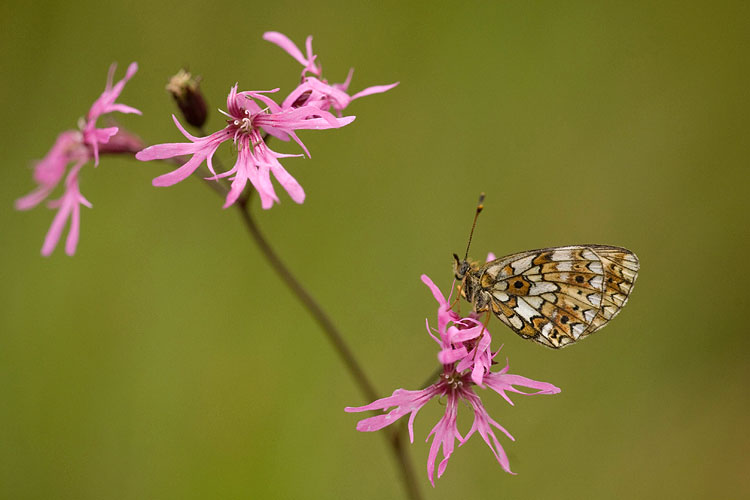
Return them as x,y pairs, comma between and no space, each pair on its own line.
458,298
484,323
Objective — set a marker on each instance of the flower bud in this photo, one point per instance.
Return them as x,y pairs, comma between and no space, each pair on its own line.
184,89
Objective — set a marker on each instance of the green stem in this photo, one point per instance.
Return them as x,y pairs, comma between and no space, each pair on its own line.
396,435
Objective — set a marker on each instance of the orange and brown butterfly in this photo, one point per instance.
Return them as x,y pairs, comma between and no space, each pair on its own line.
554,296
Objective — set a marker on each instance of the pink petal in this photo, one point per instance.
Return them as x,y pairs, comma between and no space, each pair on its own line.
444,434
179,174
184,132
164,151
501,382
483,425
124,108
377,89
54,233
286,44
434,289
338,95
34,198
289,183
132,68
272,106
450,356
71,242
345,84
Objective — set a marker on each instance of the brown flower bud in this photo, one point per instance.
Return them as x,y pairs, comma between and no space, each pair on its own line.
186,92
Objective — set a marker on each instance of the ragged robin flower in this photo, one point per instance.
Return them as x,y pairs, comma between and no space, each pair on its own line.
78,147
246,124
466,361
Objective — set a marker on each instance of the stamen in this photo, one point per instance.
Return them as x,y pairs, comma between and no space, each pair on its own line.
453,380
247,125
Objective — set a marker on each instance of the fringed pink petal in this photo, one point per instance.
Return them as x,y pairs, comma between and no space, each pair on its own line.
124,108
444,435
33,198
376,89
181,173
286,45
289,183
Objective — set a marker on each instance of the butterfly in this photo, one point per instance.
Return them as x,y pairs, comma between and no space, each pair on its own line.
554,296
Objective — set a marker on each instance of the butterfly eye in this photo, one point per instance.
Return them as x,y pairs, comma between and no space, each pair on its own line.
460,267
464,268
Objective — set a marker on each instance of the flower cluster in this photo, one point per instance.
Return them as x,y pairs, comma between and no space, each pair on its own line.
466,358
253,116
78,147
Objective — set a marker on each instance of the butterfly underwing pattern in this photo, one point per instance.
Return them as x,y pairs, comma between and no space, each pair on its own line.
554,296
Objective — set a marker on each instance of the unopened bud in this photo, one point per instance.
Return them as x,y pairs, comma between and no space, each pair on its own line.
186,92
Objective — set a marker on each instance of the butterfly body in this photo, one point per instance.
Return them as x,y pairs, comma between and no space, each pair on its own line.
554,296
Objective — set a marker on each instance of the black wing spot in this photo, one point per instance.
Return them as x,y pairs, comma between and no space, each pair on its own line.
579,279
564,319
575,308
518,284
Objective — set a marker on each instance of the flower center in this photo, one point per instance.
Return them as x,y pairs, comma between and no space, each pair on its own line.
245,124
453,379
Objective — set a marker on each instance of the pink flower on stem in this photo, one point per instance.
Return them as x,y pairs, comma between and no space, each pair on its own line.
465,357
246,124
77,147
314,89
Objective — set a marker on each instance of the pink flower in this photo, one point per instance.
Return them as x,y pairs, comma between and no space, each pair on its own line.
314,90
463,350
466,341
78,147
255,160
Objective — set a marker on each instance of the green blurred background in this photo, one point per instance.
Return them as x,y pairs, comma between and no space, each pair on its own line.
165,360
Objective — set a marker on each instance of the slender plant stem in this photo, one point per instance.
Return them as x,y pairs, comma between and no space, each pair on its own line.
396,435
320,317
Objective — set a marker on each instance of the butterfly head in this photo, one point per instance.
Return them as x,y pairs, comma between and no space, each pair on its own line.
465,272
460,267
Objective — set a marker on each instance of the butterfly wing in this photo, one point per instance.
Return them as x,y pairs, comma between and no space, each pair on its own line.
556,296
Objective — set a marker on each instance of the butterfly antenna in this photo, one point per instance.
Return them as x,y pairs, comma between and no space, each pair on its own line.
480,206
